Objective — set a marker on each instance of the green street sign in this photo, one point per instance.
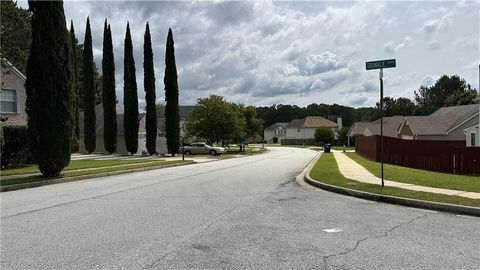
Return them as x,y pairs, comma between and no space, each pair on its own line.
389,63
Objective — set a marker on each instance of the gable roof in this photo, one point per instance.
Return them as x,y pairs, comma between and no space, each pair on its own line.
357,128
6,63
442,121
274,126
390,126
184,111
311,122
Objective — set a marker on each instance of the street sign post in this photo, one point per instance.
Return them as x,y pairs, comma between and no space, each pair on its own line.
381,64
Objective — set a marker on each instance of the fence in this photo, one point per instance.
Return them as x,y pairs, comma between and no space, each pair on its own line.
441,156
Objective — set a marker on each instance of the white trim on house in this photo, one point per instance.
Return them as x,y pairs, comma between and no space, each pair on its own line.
473,116
473,130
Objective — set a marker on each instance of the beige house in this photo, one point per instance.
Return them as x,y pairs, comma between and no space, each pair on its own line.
12,95
304,129
390,128
447,123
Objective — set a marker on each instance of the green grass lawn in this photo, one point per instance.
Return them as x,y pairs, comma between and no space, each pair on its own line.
420,177
326,171
75,165
71,173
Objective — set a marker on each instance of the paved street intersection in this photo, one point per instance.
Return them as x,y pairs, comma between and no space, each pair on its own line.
245,213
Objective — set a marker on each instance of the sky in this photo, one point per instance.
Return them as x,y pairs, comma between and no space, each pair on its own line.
301,52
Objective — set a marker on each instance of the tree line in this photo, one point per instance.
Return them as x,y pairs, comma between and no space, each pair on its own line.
446,91
55,79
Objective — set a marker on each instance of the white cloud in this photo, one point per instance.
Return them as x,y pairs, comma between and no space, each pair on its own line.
391,48
294,53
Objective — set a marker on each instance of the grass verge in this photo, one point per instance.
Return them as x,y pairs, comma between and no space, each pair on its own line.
76,165
126,167
326,171
420,177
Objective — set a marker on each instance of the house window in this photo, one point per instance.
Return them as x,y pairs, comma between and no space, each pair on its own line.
8,101
472,139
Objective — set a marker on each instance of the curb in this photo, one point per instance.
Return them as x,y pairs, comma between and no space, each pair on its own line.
83,177
444,207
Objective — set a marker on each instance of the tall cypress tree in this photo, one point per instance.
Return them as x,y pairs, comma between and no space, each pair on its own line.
76,99
88,92
172,115
49,88
149,85
109,97
130,97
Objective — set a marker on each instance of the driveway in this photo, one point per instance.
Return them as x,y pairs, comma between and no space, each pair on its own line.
235,213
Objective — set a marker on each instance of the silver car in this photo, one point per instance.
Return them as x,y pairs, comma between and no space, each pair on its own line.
202,148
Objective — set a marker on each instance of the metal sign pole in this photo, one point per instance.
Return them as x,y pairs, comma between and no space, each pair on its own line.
381,64
381,121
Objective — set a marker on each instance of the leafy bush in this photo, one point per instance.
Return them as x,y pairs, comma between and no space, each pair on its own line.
14,145
324,135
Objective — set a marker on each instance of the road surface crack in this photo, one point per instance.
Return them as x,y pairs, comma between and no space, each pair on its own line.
357,244
174,246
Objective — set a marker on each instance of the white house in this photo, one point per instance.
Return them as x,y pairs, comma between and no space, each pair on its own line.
275,133
303,130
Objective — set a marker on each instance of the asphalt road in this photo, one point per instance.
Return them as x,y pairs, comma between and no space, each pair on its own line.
245,213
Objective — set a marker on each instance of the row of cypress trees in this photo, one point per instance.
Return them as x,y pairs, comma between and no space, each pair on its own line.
53,91
131,121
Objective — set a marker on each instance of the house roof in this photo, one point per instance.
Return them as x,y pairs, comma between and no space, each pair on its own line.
442,121
357,128
17,72
99,121
311,122
274,126
184,111
390,126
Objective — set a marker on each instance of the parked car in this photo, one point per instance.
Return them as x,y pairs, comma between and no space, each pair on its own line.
202,148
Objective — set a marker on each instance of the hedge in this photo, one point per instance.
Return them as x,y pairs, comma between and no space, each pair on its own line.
14,145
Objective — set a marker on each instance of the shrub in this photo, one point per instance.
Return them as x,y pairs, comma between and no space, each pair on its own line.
324,135
14,144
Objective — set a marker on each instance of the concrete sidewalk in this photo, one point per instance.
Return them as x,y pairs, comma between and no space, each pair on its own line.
352,170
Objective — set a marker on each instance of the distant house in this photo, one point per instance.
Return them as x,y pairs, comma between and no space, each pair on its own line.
446,124
99,144
303,130
390,128
12,95
456,123
275,133
161,141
